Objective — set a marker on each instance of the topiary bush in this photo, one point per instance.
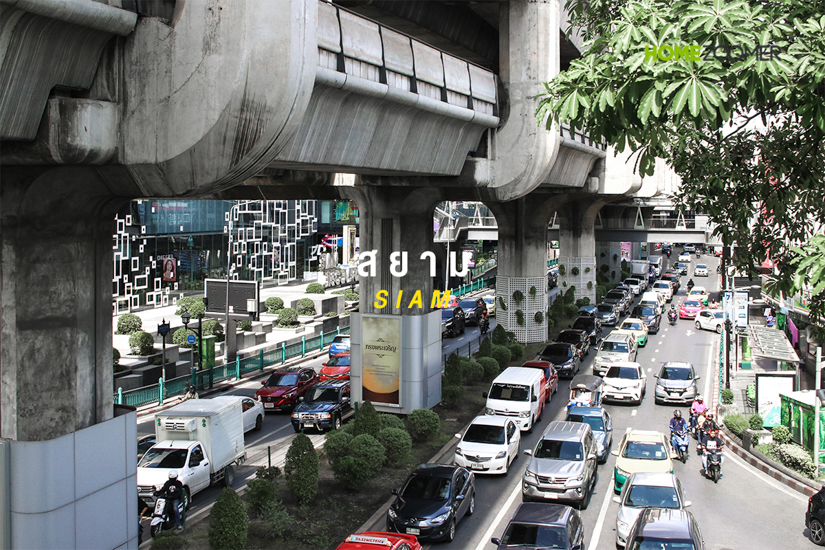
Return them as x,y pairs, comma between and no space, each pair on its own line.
350,295
352,472
315,288
288,318
499,336
781,435
727,396
581,302
501,303
366,420
520,318
141,343
213,328
454,369
502,355
179,338
422,424
516,352
451,395
796,458
473,372
227,522
490,366
244,325
168,540
518,297
301,469
485,347
305,306
129,323
755,422
538,317
193,305
336,445
259,493
736,423
390,421
369,449
398,445
273,304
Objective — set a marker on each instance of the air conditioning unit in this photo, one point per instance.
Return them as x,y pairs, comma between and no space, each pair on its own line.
180,425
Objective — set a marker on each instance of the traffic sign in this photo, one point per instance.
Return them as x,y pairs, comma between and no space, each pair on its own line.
191,339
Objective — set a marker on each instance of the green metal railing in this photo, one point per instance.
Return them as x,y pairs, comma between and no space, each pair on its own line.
206,378
466,289
477,272
551,263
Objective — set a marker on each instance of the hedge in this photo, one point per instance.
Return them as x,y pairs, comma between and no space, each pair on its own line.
422,424
516,352
727,396
391,421
352,472
796,458
301,469
305,306
755,422
259,493
213,328
736,423
454,369
168,540
179,338
244,325
473,372
490,366
273,304
366,420
315,288
227,522
336,444
287,318
129,323
781,435
398,445
193,305
502,355
141,343
115,356
370,450
451,395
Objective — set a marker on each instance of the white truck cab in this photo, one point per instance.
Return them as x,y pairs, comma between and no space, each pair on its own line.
516,392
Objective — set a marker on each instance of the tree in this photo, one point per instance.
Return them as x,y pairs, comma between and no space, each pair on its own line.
634,87
228,522
301,469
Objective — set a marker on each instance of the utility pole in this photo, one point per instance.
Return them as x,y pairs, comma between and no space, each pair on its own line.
816,405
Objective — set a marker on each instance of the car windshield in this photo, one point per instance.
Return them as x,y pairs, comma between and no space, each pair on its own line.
648,543
530,534
719,314
645,450
446,314
605,308
662,285
481,433
648,311
583,324
631,282
341,361
659,497
427,488
596,423
614,296
557,351
341,340
324,395
680,265
467,304
569,337
675,373
701,266
697,291
163,458
283,379
692,303
488,300
510,392
559,450
614,347
633,326
628,373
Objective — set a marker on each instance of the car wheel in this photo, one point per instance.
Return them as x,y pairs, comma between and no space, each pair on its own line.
259,423
698,325
817,532
451,531
297,429
718,329
229,476
336,423
472,507
463,328
585,502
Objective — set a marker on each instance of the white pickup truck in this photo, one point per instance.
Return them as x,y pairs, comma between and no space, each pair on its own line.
200,439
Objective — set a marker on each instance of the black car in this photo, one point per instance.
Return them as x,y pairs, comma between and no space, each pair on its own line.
815,517
145,442
565,357
665,528
650,316
432,501
591,325
552,280
472,310
578,338
325,407
452,322
541,525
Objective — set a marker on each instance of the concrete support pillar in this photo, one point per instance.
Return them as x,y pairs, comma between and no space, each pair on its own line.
56,283
577,249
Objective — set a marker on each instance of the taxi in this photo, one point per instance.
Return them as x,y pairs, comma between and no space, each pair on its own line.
699,293
636,327
641,451
375,540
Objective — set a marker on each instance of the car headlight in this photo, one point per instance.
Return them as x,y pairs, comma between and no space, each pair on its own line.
295,415
622,526
601,447
326,415
524,414
490,411
530,476
458,451
392,514
621,472
502,454
438,520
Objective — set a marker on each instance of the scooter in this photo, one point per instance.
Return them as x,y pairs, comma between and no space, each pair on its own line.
681,443
714,469
484,325
162,520
672,317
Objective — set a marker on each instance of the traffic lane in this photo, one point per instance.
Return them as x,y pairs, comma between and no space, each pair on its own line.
471,334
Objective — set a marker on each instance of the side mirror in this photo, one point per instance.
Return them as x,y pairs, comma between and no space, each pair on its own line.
394,491
459,498
484,395
458,436
655,376
592,456
495,541
535,398
615,452
263,383
323,364
528,452
300,400
576,547
345,400
617,500
697,378
687,503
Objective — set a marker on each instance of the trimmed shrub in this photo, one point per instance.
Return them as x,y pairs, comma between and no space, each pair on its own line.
781,435
454,369
179,338
473,372
141,343
330,314
193,305
336,444
270,474
520,318
244,325
273,304
539,317
287,318
366,420
398,445
499,336
350,295
490,366
129,323
168,540
502,355
516,352
301,469
276,518
213,328
368,449
755,422
352,472
227,522
581,302
485,347
315,288
390,421
115,356
260,492
796,458
422,424
569,296
727,396
305,306
451,395
736,423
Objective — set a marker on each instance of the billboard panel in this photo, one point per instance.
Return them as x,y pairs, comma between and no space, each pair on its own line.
768,388
239,293
381,359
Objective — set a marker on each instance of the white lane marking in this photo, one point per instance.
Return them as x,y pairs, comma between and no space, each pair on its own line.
633,412
652,360
656,351
648,370
597,530
485,540
707,374
761,475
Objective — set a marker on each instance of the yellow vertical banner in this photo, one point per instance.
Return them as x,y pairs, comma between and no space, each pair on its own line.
381,358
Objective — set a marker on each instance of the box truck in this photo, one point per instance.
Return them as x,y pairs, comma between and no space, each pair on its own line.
200,439
639,269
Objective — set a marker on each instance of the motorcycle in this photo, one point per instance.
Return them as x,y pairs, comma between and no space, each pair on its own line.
484,325
162,519
714,469
681,443
698,255
672,317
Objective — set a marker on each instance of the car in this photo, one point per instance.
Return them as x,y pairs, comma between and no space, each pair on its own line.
600,423
489,445
615,348
375,540
144,443
676,383
625,382
637,327
337,368
711,319
689,308
490,301
675,283
683,257
628,295
552,279
607,314
641,451
253,413
643,490
542,525
590,324
340,346
551,377
578,338
452,302
815,517
282,389
701,270
587,311
565,357
663,528
563,465
689,248
431,502
665,288
699,293
635,285
473,309
452,322
618,299
650,315
681,267
326,407
717,251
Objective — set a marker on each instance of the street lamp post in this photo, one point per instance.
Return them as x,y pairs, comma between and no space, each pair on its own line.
728,331
163,330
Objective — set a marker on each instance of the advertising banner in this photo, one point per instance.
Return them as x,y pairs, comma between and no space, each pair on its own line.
381,358
625,252
768,402
168,268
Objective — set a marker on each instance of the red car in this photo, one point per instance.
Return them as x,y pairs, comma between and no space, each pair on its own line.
282,390
689,309
551,377
337,368
374,540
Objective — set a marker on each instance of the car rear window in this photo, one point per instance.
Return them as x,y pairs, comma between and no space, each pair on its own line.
427,488
645,450
341,361
530,534
558,351
632,326
569,337
675,373
658,497
596,423
628,373
614,347
605,308
559,450
584,323
481,433
692,303
615,295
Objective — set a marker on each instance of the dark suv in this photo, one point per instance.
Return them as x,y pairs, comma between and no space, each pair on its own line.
472,310
650,316
452,322
815,517
565,357
591,325
325,407
543,525
665,528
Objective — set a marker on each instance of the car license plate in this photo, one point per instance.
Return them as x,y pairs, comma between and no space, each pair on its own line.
309,424
476,467
551,495
269,405
411,531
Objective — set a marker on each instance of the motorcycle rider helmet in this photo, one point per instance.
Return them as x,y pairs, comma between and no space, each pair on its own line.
698,398
677,413
173,475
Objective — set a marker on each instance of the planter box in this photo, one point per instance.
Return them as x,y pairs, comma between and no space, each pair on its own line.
304,319
765,437
296,330
330,323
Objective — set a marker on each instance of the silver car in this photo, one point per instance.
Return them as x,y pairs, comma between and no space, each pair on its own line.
643,490
676,383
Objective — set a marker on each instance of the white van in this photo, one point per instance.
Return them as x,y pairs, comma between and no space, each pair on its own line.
664,289
656,264
517,392
654,297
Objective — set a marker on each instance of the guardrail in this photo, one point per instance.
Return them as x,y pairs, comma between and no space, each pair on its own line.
477,272
466,289
551,263
466,350
204,379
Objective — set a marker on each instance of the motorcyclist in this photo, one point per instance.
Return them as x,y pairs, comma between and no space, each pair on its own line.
190,393
671,314
712,441
696,408
173,491
712,304
677,424
690,284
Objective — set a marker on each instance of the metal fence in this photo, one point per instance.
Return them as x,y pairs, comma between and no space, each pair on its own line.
465,350
466,289
204,379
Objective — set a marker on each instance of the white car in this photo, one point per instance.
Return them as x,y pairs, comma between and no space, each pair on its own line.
701,270
625,381
635,285
644,490
683,257
690,248
491,304
711,319
489,445
664,288
253,413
